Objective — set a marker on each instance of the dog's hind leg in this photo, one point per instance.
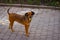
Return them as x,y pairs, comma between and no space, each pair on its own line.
11,26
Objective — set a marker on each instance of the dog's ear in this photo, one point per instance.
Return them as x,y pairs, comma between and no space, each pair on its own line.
26,14
32,13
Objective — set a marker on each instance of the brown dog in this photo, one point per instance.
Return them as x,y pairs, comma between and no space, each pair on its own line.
23,19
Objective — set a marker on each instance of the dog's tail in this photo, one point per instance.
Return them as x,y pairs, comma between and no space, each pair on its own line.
8,11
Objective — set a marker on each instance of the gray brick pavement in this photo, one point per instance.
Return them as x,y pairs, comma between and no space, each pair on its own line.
45,25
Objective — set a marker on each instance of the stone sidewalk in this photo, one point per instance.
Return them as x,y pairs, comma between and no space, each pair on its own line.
45,25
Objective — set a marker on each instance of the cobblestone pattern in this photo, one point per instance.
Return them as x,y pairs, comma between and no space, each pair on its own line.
45,25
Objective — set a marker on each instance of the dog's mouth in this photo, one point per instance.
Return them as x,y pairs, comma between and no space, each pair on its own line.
31,17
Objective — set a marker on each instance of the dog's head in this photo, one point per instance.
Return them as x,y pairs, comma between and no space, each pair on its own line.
29,14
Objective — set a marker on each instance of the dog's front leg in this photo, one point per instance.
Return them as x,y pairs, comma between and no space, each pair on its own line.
26,29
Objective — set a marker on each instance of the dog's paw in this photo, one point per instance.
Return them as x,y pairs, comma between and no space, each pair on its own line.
27,35
12,30
9,28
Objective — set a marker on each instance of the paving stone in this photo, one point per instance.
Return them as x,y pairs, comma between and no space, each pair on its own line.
49,38
36,39
31,34
50,33
1,35
0,39
55,38
59,37
43,38
5,37
43,33
38,31
8,33
17,39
